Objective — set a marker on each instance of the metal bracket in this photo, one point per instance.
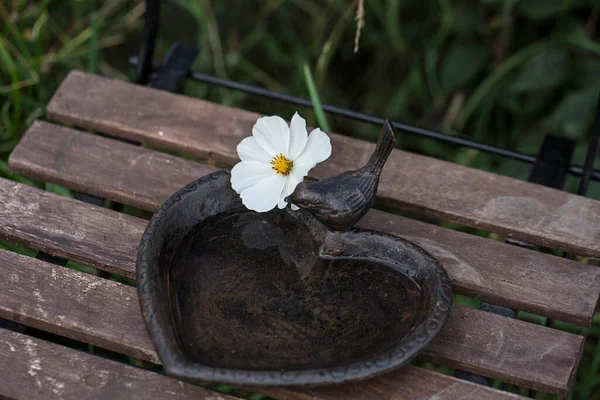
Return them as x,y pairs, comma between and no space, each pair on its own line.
552,163
88,198
175,68
49,258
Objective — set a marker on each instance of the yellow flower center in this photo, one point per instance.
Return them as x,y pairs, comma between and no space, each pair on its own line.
282,165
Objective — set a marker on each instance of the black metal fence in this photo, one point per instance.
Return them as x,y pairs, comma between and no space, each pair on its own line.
146,65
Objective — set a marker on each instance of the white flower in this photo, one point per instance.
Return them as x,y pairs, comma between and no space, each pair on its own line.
275,159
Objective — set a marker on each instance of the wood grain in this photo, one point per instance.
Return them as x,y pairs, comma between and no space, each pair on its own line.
407,383
72,304
517,209
492,271
64,152
69,229
106,314
32,369
39,370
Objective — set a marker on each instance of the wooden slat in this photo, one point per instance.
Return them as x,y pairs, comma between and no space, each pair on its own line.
126,161
518,209
408,383
105,313
32,369
69,229
485,269
72,304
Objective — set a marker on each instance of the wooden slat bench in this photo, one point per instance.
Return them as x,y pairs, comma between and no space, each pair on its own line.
43,370
105,313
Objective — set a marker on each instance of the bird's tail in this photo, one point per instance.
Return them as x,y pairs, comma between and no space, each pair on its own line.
385,145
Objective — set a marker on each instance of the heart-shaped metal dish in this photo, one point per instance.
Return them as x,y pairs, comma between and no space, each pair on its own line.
245,298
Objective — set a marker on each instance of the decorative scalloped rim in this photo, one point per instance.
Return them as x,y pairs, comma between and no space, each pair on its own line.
191,371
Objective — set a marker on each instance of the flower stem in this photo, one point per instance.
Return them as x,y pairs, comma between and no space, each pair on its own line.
314,97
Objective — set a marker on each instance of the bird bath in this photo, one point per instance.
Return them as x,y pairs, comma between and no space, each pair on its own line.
277,298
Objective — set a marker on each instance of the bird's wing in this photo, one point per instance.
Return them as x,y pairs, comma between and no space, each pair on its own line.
355,199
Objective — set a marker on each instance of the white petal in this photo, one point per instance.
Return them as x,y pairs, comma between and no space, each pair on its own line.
264,196
272,134
248,173
298,174
291,182
298,136
249,149
295,207
317,149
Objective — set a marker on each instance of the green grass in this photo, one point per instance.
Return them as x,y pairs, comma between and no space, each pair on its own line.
505,72
314,98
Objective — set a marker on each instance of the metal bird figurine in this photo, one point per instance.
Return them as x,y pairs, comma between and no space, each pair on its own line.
341,201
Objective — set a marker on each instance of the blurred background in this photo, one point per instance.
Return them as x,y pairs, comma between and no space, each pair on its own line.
504,72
